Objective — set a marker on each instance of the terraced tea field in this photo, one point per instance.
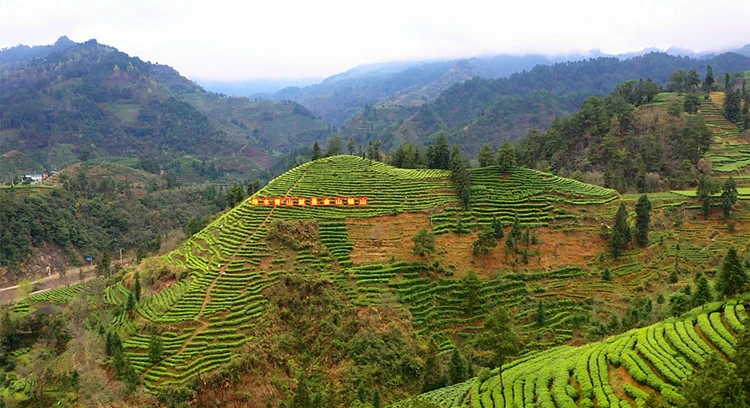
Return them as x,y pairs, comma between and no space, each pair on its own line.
730,153
618,372
204,320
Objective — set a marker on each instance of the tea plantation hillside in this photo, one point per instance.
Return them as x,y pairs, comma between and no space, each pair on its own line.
621,371
275,299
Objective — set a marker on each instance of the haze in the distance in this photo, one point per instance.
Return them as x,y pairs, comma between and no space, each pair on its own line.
227,40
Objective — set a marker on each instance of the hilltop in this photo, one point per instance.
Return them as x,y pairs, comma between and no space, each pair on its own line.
75,101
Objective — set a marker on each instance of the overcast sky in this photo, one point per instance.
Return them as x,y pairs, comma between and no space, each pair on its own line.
231,40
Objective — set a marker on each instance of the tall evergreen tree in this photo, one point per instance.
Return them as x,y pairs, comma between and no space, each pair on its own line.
707,187
702,293
729,196
471,285
376,403
334,146
497,227
439,155
642,220
499,338
486,156
460,177
506,156
620,232
104,267
708,81
316,152
458,370
155,347
733,106
137,286
434,373
484,242
732,277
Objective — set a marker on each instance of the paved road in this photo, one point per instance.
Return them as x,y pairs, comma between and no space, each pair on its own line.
8,294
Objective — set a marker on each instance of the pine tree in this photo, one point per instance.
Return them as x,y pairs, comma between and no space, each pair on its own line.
708,82
460,177
334,146
732,106
497,227
316,153
702,290
130,305
506,156
732,278
137,287
471,285
105,264
541,314
621,232
486,156
434,373
729,196
439,155
458,371
642,220
499,338
515,232
155,347
376,399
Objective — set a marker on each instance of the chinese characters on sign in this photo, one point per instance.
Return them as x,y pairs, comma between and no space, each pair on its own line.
312,201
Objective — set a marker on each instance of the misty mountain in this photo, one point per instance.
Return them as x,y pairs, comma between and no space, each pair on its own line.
92,99
480,111
253,87
23,53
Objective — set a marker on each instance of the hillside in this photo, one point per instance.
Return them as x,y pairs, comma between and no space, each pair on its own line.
620,371
92,100
328,299
482,111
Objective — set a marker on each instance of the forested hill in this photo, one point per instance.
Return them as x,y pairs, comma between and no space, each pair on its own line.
480,111
92,100
340,97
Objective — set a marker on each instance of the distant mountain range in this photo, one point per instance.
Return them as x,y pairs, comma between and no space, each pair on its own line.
338,98
61,102
64,101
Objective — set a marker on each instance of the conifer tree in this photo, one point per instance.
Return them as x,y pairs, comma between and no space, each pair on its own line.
439,155
137,286
702,293
506,156
460,177
497,227
732,278
458,371
708,82
620,232
486,156
316,153
155,347
642,220
376,399
499,338
728,196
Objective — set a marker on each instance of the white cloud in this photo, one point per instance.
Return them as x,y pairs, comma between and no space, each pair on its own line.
243,39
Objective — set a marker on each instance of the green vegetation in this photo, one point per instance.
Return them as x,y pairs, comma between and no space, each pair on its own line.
667,358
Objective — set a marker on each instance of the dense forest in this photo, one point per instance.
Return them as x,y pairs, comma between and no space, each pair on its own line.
88,215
